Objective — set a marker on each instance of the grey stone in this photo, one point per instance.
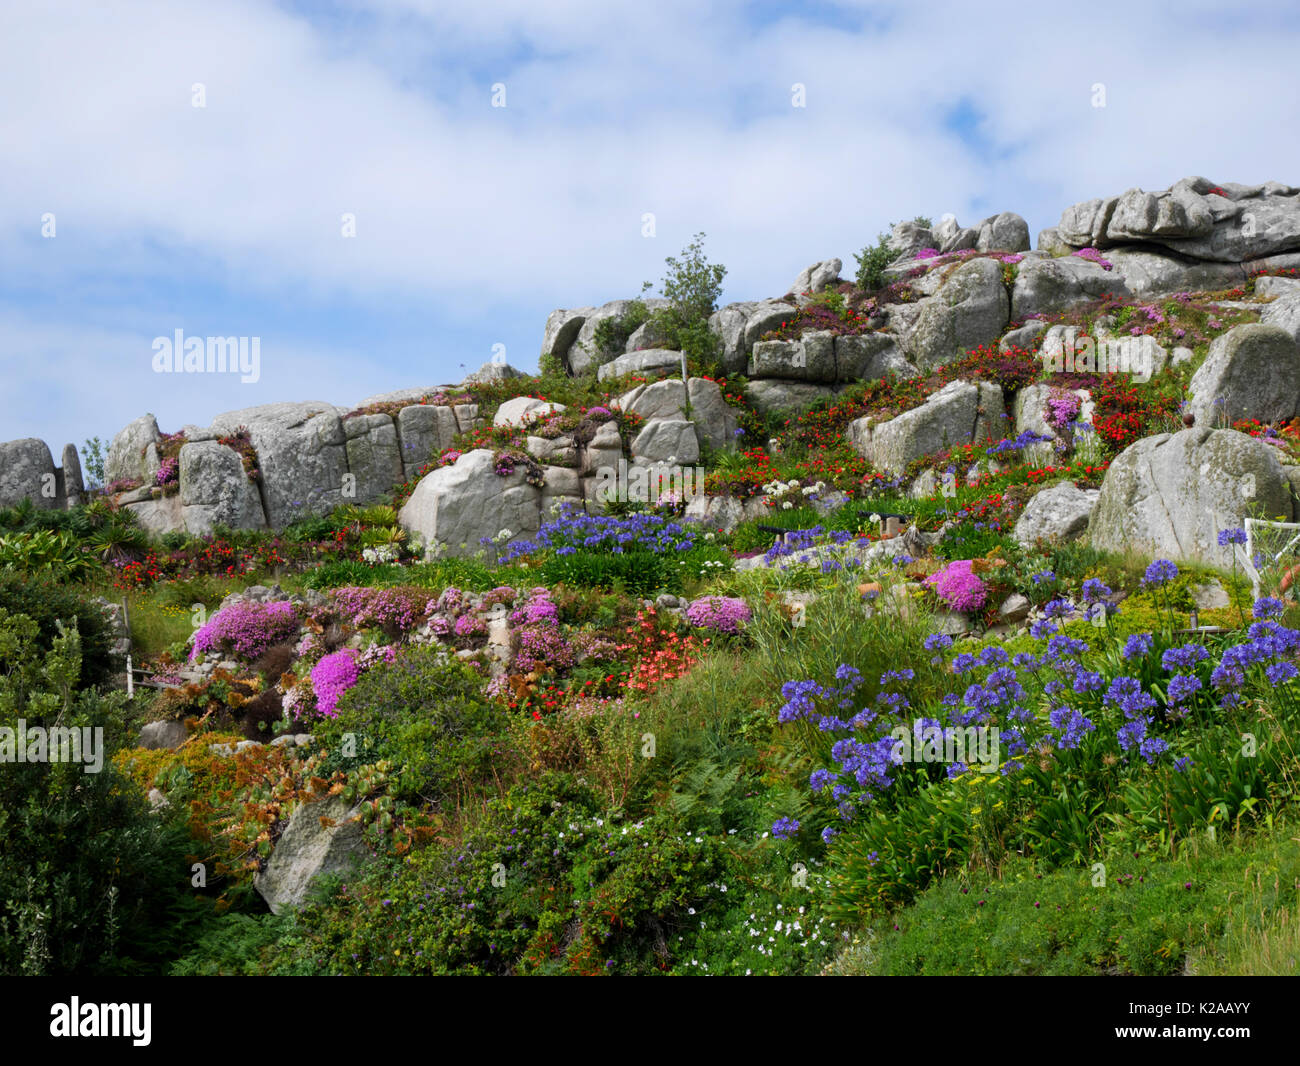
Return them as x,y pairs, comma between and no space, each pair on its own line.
324,837
1272,286
169,735
558,451
525,409
74,488
869,357
667,440
814,278
1024,336
215,490
908,238
1210,595
1015,608
301,454
771,396
562,328
491,373
1007,232
1252,371
27,472
374,454
125,459
651,360
811,358
1147,272
1169,495
728,323
650,334
456,506
970,309
424,431
1055,514
715,420
767,315
1048,286
960,413
724,513
1285,314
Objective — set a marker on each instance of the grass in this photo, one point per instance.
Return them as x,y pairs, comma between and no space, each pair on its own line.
1218,908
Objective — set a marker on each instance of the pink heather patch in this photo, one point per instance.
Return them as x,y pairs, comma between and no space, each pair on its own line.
333,676
246,629
958,587
723,614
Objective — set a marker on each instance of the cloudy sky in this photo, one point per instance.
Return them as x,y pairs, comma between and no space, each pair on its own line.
473,221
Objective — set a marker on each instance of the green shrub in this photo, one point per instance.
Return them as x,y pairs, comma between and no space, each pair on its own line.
638,573
426,714
47,604
872,262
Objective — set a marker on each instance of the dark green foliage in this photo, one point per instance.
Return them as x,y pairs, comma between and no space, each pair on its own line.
638,573
872,262
47,604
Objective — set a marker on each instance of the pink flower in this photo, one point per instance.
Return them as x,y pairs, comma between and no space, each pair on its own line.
958,587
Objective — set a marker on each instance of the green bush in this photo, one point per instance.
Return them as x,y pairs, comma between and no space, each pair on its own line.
872,262
47,604
426,714
639,573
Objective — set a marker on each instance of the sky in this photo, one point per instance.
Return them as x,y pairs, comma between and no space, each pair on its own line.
192,166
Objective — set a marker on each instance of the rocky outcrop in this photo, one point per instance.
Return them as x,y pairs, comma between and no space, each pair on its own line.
27,472
1045,285
1056,514
1170,495
971,309
1252,371
458,505
214,490
962,412
322,838
1195,218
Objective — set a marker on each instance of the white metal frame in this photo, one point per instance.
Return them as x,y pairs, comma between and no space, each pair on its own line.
1246,555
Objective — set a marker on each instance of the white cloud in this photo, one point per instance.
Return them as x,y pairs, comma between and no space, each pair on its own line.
614,110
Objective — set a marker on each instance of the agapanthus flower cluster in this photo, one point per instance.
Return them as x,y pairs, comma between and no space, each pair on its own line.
246,629
573,530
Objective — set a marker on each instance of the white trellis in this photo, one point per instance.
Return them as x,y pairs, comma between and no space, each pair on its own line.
1246,554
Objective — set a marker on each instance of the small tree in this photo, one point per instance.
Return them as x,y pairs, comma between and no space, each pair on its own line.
693,285
92,459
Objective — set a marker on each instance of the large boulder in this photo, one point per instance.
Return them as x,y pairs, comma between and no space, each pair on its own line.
646,361
780,397
814,278
1148,271
962,412
491,373
1048,286
715,420
583,353
666,440
27,472
374,455
724,513
301,454
424,431
126,453
1285,314
562,328
810,358
458,505
74,487
870,356
215,490
1252,371
1056,514
523,409
970,309
766,315
1007,232
322,838
1231,223
1170,495
728,323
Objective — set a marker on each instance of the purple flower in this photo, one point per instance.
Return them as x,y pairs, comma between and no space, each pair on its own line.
1138,645
1231,536
1268,606
1160,572
1182,687
722,614
246,629
333,676
958,587
785,828
1184,658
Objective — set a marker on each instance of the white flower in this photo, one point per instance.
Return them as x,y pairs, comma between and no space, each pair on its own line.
875,518
787,505
709,537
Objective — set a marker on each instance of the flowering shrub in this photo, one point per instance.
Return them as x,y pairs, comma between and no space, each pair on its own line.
572,530
1063,406
543,647
958,586
168,473
246,629
722,614
333,676
1093,256
396,610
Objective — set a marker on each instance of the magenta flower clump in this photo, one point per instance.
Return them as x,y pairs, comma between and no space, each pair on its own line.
333,676
169,472
722,614
246,629
958,586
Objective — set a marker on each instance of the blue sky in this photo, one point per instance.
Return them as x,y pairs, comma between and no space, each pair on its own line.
473,222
